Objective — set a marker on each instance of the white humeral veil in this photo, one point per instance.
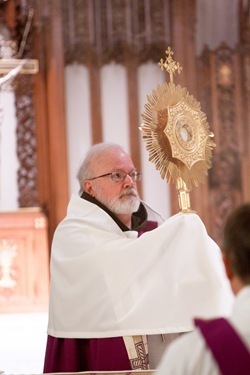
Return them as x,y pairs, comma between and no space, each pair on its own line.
108,283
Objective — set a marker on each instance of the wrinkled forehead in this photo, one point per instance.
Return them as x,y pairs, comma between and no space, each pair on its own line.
110,160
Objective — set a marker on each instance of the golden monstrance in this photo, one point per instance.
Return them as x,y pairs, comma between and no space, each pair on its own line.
177,134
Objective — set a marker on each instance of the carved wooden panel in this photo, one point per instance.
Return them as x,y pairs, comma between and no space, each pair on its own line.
224,86
24,261
244,53
222,94
26,143
15,25
113,30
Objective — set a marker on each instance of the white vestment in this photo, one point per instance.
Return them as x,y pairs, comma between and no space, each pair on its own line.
189,355
109,283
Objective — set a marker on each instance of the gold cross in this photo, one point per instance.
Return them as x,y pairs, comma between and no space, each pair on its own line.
170,65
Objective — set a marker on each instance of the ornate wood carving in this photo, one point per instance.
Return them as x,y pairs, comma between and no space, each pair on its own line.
225,95
244,53
112,30
24,261
222,96
26,144
26,127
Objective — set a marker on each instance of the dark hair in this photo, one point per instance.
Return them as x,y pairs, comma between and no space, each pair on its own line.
236,242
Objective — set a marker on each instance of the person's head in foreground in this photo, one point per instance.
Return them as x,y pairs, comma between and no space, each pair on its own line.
236,247
220,346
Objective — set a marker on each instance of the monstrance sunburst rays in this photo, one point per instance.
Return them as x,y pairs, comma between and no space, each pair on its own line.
177,134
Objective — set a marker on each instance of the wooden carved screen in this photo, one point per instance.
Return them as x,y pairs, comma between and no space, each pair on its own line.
223,91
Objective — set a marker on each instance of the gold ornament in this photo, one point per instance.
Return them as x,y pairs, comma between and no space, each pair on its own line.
177,134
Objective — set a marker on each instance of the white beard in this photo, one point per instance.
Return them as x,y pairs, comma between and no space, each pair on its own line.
124,204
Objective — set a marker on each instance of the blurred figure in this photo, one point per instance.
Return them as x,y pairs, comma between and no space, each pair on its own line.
220,346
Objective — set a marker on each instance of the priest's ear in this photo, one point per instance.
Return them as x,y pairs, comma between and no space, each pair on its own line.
87,186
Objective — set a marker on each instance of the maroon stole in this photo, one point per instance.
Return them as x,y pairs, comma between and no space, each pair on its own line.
228,349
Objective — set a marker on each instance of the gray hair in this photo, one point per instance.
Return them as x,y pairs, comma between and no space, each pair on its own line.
85,169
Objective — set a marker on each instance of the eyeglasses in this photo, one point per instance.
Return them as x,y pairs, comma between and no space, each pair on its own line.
119,176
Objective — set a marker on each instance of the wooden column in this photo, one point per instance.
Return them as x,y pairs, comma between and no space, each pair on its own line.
134,135
244,55
42,125
245,71
95,102
183,45
183,42
57,145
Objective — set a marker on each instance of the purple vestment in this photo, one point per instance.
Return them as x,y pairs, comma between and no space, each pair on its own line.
102,354
229,351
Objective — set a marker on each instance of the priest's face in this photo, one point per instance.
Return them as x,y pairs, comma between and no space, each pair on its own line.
120,197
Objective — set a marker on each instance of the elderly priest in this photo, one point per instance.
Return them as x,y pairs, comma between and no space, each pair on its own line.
124,281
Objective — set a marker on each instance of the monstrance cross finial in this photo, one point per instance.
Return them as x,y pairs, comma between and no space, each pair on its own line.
170,65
